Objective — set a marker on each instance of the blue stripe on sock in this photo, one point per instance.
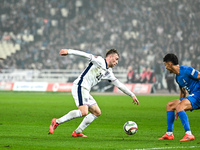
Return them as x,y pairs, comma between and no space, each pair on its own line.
184,119
170,121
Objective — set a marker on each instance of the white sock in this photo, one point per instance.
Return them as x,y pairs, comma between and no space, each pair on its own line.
169,133
189,132
86,121
70,115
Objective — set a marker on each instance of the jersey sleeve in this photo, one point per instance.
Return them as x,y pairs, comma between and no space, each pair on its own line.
109,76
123,88
80,53
192,72
98,60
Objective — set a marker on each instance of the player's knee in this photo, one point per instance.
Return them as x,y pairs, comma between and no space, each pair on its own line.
170,106
179,108
84,112
98,113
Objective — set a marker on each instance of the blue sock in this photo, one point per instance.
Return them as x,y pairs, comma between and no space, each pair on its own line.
184,119
170,121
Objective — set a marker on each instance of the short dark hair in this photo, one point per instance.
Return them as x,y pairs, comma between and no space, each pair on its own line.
112,51
171,58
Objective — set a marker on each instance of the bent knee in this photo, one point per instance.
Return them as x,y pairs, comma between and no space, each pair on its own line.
97,113
180,108
84,112
170,106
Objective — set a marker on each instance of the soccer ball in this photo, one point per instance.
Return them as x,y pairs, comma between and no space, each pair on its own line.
130,127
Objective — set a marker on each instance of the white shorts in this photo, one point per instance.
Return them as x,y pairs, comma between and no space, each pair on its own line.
82,96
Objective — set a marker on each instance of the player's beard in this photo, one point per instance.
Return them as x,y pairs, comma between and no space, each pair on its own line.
112,66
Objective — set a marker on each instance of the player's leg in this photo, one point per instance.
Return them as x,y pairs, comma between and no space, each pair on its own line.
91,106
95,112
183,106
171,106
81,111
69,116
80,103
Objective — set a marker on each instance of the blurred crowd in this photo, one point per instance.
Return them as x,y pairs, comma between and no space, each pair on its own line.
142,30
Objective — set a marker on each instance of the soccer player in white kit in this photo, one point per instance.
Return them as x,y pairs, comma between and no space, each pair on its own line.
98,68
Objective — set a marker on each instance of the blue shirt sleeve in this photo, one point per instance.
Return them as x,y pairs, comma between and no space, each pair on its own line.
192,72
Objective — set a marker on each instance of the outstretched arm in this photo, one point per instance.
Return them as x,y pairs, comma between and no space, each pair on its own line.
64,52
124,89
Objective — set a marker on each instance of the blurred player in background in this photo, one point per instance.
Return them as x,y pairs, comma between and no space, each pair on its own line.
188,80
130,75
169,77
98,68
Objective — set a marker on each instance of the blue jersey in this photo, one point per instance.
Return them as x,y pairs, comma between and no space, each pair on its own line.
187,79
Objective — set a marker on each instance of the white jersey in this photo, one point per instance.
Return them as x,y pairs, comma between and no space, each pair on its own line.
95,72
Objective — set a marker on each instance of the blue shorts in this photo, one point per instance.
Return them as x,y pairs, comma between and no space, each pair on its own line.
194,99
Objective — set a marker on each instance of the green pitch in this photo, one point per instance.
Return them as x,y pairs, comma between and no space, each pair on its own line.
25,118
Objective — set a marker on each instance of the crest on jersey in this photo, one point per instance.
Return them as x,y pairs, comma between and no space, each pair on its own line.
86,99
107,73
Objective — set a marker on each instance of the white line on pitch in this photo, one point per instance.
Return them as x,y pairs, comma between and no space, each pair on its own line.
165,148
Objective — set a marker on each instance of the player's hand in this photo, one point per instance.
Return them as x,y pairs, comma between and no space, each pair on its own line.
135,100
63,52
176,116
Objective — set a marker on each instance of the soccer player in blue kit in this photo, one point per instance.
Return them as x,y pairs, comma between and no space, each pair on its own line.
188,80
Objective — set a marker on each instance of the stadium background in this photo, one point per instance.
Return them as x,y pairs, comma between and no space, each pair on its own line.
33,32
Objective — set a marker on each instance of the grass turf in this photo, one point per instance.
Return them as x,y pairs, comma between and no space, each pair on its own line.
26,116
